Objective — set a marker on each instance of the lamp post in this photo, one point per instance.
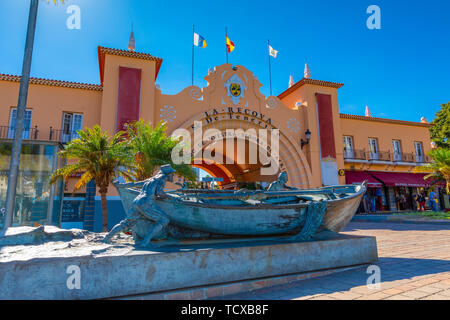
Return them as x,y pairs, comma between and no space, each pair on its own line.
308,138
21,107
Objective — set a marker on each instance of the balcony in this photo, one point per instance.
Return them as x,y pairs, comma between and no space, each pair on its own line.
34,133
10,133
380,156
385,156
350,154
62,136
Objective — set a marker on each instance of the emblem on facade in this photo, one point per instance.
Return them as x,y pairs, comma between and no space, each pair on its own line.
196,93
293,125
168,113
235,89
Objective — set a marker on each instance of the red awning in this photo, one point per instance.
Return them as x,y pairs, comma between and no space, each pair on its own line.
402,179
361,176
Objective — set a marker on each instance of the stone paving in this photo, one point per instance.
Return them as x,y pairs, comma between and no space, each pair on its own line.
414,260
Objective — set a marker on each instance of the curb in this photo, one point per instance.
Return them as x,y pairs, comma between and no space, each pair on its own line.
397,219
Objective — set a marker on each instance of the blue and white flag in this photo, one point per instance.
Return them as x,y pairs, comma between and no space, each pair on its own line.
199,41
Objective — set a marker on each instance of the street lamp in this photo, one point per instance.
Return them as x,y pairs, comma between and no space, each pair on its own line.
308,138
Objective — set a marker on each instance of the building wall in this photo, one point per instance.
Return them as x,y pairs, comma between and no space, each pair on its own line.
111,86
49,103
361,129
306,96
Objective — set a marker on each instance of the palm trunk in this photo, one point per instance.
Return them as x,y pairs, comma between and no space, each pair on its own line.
104,211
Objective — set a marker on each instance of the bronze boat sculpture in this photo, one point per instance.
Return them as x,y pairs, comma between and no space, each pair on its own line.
207,214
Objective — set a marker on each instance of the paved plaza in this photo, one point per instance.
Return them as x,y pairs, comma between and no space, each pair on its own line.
414,260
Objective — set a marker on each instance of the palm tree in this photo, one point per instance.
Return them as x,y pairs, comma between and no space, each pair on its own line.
153,148
440,167
98,157
21,105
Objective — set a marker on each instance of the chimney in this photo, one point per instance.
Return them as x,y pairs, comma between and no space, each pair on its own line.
132,41
291,81
307,71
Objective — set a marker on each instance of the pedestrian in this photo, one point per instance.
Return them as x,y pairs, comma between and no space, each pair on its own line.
379,195
366,203
433,200
397,201
373,204
403,201
421,198
416,202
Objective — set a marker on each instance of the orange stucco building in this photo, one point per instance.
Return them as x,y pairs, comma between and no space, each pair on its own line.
341,148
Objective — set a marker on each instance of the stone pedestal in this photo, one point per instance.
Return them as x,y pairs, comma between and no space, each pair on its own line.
119,274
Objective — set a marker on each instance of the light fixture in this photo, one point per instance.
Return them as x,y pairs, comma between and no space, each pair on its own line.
308,138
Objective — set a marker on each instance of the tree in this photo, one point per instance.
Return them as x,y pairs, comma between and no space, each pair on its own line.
153,148
98,157
440,129
21,105
440,166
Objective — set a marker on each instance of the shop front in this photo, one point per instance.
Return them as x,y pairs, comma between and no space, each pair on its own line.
396,191
375,199
37,202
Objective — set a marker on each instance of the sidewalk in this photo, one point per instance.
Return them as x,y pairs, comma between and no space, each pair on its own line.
414,262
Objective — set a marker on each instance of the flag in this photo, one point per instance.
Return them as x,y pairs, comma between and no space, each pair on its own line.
230,45
273,52
199,41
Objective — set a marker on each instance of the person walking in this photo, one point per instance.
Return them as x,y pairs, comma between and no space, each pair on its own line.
365,203
379,195
421,199
433,201
402,201
415,202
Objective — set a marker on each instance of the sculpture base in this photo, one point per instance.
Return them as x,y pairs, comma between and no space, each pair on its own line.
119,273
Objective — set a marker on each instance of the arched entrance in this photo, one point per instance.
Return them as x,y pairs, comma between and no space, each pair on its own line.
220,108
237,167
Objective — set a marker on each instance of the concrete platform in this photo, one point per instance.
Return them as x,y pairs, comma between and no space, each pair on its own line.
105,274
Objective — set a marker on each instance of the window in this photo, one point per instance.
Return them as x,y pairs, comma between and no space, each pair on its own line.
348,147
397,147
418,146
12,124
373,147
72,122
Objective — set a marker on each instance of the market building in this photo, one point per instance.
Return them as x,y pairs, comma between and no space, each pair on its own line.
318,146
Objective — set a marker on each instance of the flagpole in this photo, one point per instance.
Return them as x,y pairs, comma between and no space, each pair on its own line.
270,68
226,46
193,52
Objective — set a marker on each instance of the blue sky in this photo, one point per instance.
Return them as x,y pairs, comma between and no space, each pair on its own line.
401,71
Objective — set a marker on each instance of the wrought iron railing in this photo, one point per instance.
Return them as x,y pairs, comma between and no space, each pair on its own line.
382,156
385,156
408,157
354,154
62,136
27,134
